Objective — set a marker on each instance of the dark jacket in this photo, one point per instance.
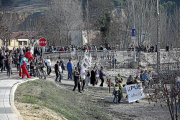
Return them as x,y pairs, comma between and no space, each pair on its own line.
93,77
7,63
79,66
20,57
1,59
17,60
32,64
101,74
56,68
76,75
62,65
88,74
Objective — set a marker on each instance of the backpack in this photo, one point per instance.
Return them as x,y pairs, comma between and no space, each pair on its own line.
8,62
115,92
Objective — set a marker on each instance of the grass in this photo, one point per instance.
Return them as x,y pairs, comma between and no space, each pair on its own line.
72,105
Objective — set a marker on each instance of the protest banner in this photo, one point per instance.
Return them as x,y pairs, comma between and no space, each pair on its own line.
86,62
134,92
84,65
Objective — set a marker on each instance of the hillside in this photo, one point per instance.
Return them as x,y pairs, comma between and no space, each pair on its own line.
24,6
27,6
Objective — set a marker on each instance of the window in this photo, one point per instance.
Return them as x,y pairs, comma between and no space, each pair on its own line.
25,42
20,42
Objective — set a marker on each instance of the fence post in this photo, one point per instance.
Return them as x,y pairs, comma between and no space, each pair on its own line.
109,86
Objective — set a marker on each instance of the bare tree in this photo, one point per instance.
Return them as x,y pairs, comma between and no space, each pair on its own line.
62,17
8,22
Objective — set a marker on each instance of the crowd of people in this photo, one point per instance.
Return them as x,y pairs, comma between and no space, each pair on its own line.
80,76
84,47
149,48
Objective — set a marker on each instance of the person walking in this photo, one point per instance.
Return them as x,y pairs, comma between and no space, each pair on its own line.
101,76
69,68
97,73
120,94
167,48
17,61
1,61
79,65
93,76
60,72
137,72
8,66
76,80
57,70
48,64
115,93
62,65
83,76
32,65
144,77
87,78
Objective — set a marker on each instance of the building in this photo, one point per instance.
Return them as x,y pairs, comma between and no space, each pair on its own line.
19,39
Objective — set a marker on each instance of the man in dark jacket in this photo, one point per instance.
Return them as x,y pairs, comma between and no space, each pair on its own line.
167,48
20,57
1,61
8,66
101,76
32,65
62,65
57,70
76,79
17,61
79,65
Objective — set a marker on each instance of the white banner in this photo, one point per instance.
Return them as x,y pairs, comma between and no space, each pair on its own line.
86,62
84,65
134,92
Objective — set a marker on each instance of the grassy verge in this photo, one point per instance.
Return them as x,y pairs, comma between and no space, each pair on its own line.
73,106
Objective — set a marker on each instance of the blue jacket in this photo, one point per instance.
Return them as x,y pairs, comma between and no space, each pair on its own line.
101,74
24,59
144,77
69,66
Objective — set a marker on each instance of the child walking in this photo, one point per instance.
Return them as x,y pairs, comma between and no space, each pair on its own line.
115,93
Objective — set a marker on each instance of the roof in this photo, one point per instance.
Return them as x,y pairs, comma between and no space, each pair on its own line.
23,35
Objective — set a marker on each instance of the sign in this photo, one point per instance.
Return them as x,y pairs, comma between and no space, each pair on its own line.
42,42
134,92
133,32
86,63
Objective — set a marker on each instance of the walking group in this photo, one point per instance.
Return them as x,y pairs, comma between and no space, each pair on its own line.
83,77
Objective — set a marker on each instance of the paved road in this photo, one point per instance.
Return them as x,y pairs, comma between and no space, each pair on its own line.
7,88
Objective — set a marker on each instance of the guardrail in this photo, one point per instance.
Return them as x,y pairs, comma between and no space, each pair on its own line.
79,54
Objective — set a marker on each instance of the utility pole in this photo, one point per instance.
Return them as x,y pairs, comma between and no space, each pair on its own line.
133,15
158,41
134,34
81,30
87,10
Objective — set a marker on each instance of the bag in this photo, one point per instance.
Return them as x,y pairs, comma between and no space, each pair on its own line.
8,61
97,75
114,92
